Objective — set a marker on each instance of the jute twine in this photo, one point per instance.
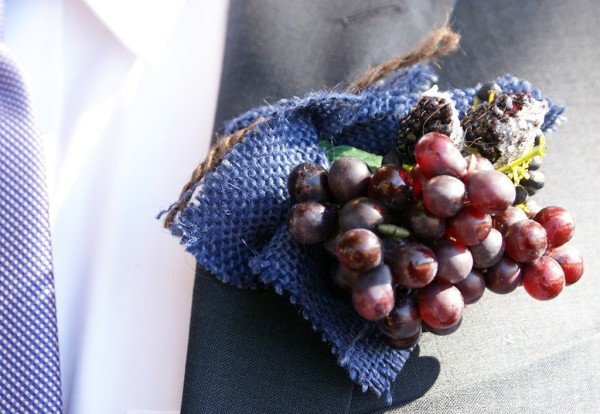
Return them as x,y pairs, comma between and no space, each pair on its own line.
436,44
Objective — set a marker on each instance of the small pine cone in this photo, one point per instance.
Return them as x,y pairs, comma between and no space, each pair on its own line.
433,112
505,129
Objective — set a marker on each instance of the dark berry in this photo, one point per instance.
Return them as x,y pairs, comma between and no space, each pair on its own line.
525,241
373,294
558,223
362,213
349,178
455,261
413,265
570,260
441,305
483,93
472,287
359,250
543,279
308,182
504,276
390,186
310,222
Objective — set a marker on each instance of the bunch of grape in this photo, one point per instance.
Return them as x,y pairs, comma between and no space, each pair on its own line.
414,247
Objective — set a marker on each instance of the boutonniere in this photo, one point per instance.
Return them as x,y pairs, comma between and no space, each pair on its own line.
383,210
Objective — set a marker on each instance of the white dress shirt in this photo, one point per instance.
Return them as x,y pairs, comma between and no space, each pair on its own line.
125,94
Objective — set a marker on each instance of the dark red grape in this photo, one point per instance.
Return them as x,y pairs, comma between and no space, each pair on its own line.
440,305
330,243
504,277
454,261
490,191
413,265
476,162
359,250
349,178
391,243
403,321
469,226
444,331
531,208
472,287
344,278
308,182
310,222
423,225
570,260
509,216
436,155
489,251
543,279
418,179
373,294
444,195
403,343
390,185
525,241
362,213
559,224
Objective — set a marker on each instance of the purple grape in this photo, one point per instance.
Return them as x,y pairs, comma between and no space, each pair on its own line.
543,279
373,294
418,180
490,192
454,261
570,260
423,225
504,277
349,178
472,287
559,224
440,305
359,250
310,222
308,182
403,343
390,186
489,251
413,265
444,195
511,215
476,162
362,213
444,331
344,279
525,241
469,226
436,155
403,321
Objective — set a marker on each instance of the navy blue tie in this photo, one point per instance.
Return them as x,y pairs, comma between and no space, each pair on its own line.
29,362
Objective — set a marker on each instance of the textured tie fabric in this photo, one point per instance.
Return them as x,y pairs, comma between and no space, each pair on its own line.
29,362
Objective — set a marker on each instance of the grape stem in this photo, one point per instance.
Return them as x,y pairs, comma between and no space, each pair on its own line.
518,168
391,230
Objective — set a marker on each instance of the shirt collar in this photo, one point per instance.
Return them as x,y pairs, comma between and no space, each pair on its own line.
143,26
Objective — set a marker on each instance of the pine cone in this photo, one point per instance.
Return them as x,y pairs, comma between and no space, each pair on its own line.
433,112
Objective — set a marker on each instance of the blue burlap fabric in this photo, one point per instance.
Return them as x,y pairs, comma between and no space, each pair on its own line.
235,223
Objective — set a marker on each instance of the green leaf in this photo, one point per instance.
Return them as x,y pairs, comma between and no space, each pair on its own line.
339,151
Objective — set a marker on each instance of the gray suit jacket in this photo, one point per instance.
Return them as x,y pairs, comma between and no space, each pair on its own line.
251,352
